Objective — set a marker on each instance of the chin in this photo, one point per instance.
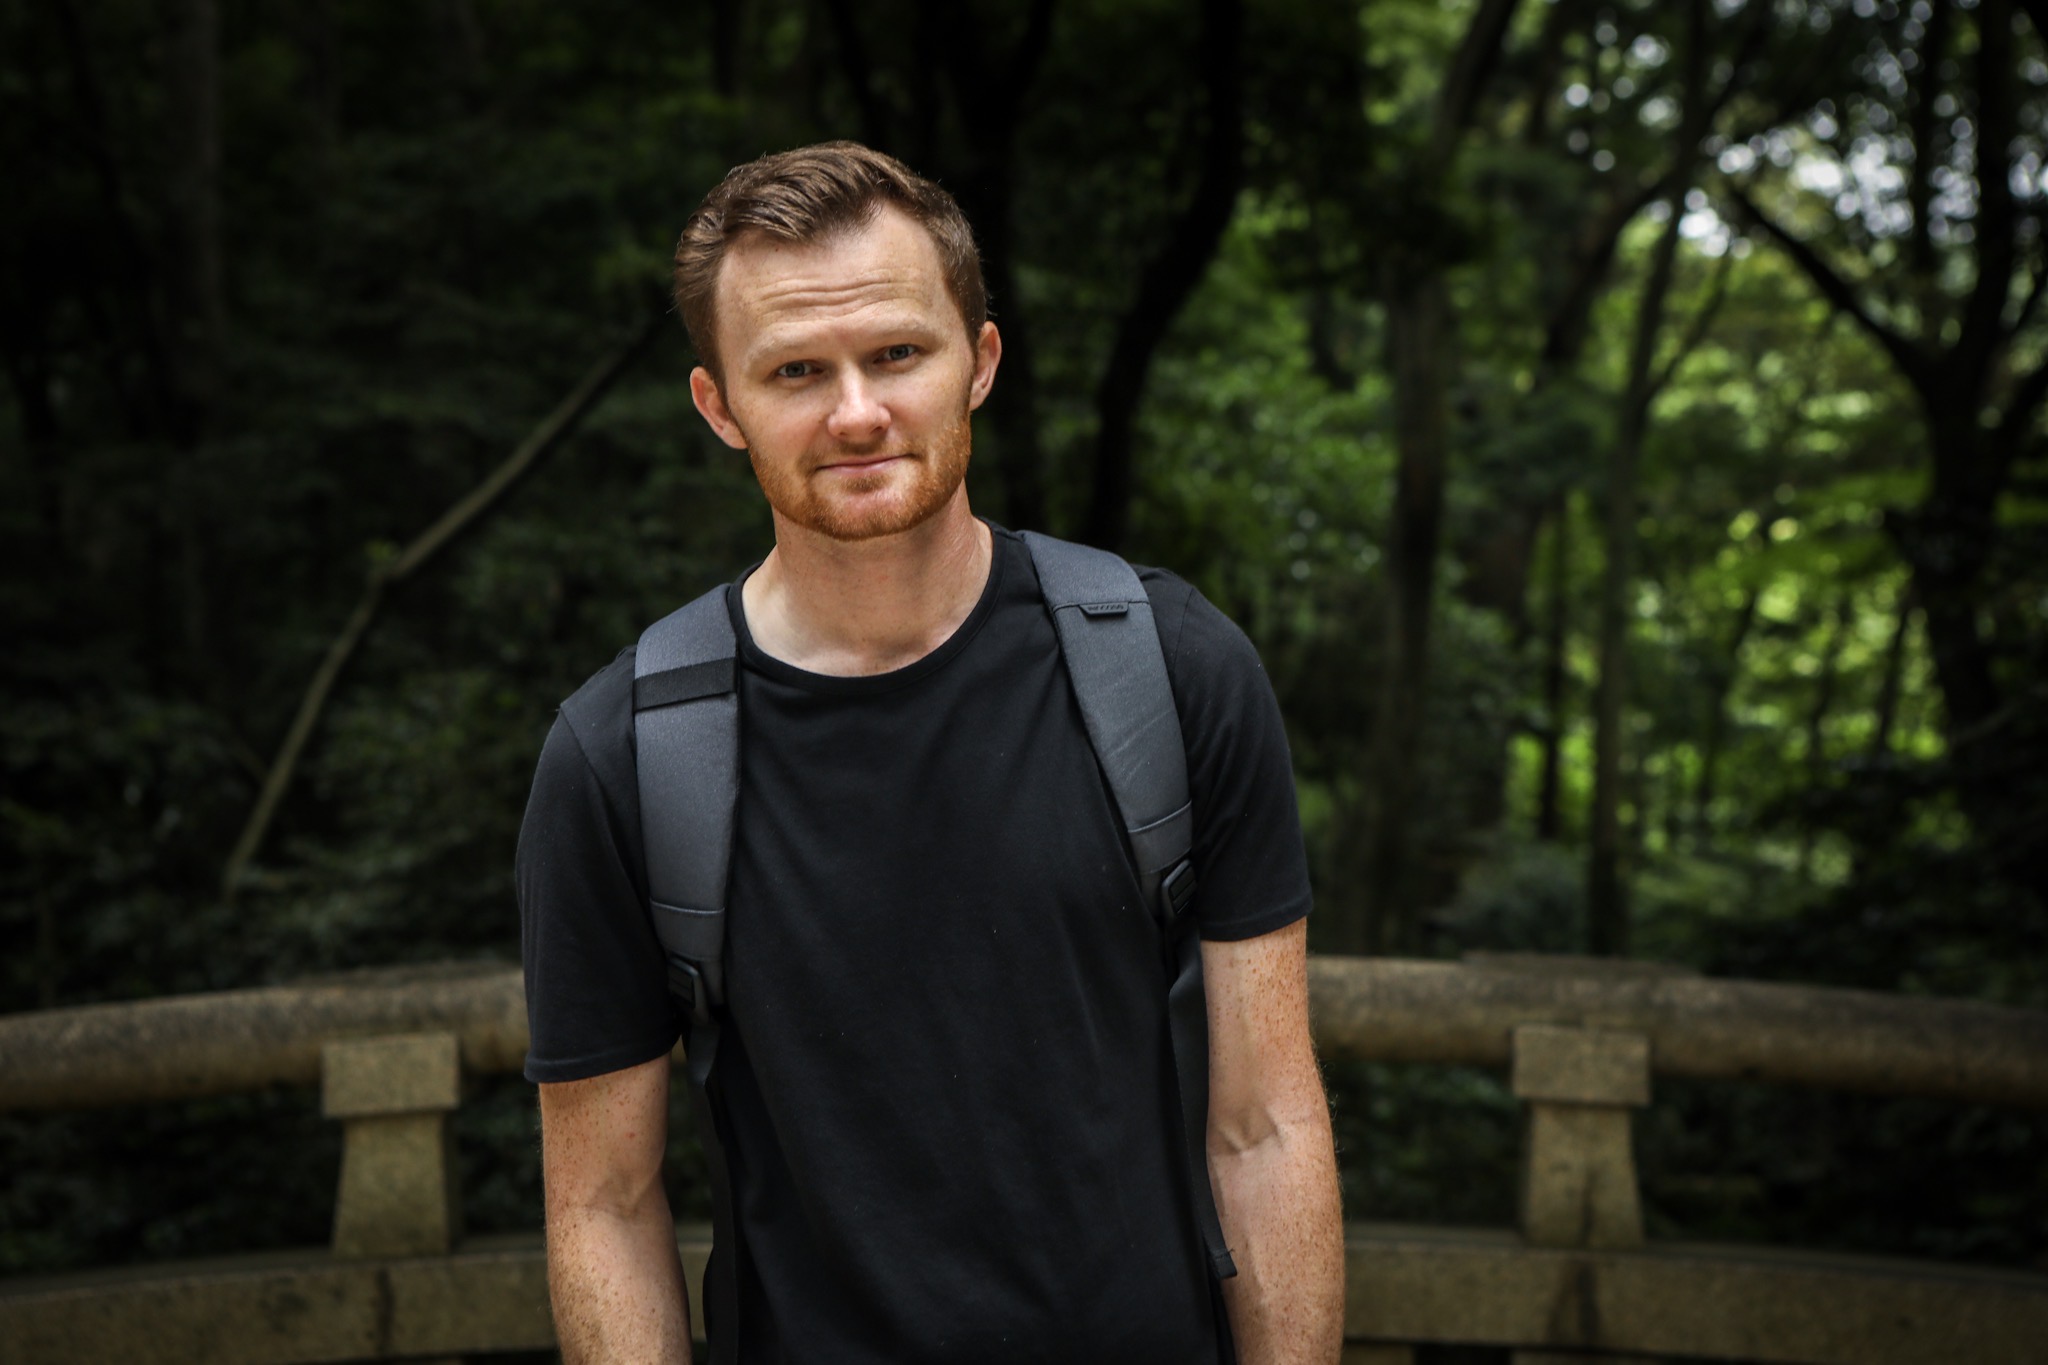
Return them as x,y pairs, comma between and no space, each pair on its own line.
870,518
901,500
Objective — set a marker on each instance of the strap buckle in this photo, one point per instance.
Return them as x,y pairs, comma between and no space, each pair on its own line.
1177,891
686,982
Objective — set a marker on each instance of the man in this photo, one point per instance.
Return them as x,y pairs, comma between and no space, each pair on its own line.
944,1080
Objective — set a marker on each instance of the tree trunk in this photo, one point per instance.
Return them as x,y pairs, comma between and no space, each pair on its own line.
1816,758
1549,814
1171,276
991,103
193,89
1418,329
1946,543
1722,687
1418,341
1887,710
1013,404
198,309
1607,911
1960,370
725,47
1606,895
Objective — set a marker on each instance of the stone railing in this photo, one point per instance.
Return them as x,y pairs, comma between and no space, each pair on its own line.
1581,1043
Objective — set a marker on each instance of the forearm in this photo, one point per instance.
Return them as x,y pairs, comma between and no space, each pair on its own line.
616,1283
1277,1196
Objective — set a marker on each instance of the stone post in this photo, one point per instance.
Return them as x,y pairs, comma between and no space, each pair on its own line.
1578,1159
393,1095
1578,1162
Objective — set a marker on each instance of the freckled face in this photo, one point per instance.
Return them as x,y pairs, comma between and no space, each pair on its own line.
848,377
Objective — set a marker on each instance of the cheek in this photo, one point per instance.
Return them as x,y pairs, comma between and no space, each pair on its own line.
774,424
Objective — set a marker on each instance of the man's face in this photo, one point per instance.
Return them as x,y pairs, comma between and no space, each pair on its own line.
848,377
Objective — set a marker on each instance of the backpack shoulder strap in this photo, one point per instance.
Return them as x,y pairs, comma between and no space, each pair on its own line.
686,741
1111,649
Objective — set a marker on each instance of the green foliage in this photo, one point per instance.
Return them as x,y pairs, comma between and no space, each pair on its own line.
432,220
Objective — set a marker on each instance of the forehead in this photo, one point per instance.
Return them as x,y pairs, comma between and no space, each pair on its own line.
885,271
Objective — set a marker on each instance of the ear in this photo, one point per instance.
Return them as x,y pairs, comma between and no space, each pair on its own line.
711,403
988,353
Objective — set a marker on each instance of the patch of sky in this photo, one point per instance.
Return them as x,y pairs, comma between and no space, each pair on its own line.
2026,177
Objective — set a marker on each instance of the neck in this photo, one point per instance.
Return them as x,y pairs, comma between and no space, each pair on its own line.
854,608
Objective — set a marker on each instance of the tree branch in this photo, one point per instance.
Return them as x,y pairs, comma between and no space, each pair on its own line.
1983,333
545,438
2011,433
1917,367
1696,332
1471,68
1564,331
1172,275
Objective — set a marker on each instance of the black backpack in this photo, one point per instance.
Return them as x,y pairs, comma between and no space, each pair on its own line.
686,738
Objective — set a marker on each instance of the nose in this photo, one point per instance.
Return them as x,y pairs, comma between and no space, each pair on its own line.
859,416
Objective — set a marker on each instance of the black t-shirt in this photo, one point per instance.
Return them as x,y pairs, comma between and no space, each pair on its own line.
945,1072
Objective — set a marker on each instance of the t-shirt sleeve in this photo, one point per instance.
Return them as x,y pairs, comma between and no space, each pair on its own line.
596,987
1248,853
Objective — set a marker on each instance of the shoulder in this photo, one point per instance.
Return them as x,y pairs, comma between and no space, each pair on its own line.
1190,627
1247,828
1203,647
598,718
600,712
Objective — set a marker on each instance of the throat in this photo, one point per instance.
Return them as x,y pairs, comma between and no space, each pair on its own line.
869,607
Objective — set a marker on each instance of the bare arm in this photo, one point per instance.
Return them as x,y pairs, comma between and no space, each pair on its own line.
613,1273
1271,1155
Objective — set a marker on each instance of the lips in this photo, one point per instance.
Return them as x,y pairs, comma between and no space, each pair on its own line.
865,462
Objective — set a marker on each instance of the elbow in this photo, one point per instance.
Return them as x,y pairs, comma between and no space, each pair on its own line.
618,1195
1260,1129
1241,1132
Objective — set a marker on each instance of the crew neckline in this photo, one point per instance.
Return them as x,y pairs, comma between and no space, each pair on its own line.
759,660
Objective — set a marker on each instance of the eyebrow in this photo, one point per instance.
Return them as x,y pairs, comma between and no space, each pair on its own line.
800,339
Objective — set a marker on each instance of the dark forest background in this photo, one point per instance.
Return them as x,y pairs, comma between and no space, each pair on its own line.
1619,425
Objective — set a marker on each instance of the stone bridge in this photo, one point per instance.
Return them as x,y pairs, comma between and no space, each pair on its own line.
1580,1041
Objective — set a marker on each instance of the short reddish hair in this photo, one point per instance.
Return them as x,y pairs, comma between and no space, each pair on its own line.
806,195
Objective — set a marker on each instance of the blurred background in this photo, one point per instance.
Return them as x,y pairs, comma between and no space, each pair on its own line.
1619,426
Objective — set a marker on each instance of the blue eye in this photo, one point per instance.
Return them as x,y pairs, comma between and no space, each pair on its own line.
901,351
795,369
